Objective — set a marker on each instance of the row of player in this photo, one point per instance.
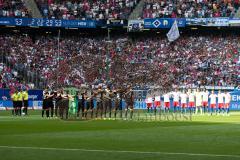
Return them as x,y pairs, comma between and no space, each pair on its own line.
99,100
192,99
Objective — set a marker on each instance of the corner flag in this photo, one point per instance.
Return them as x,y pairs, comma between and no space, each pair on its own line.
173,33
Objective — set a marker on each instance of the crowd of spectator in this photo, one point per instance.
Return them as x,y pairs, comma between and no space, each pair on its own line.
9,78
190,8
121,9
13,8
190,61
83,9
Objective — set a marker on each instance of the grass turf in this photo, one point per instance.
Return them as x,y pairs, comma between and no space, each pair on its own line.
208,138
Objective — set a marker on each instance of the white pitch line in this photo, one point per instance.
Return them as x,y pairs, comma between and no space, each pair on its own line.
116,151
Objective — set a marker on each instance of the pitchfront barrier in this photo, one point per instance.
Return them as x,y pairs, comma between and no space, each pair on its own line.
235,103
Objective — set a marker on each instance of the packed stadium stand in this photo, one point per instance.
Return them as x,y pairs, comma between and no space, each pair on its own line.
193,60
190,8
94,9
10,78
13,8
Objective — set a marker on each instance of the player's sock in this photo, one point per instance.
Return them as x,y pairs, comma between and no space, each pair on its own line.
42,113
126,112
121,114
47,113
96,114
26,110
20,111
131,114
52,112
110,114
91,113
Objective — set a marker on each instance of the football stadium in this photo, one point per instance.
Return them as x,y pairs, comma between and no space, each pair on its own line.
120,79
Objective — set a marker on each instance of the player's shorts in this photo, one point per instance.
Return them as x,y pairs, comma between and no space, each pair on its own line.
213,105
25,103
14,104
157,103
191,104
167,104
149,105
226,105
220,105
175,104
205,104
19,104
45,104
183,105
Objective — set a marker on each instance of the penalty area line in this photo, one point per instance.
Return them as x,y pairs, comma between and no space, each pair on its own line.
120,151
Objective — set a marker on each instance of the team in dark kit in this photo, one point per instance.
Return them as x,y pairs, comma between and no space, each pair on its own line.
92,103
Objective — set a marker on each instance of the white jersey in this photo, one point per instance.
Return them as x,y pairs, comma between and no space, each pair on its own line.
213,98
205,96
176,96
191,97
149,100
183,97
227,97
157,98
198,96
221,97
166,97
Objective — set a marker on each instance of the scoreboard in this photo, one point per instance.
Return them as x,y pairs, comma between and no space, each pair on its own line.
40,22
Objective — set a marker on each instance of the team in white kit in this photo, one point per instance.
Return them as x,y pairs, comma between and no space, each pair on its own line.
197,101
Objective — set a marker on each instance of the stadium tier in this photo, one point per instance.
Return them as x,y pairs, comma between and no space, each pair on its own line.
13,8
191,61
190,8
94,9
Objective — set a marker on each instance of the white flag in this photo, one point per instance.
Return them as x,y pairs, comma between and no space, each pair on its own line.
173,34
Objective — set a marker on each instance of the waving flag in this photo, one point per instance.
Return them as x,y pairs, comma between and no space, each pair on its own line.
173,33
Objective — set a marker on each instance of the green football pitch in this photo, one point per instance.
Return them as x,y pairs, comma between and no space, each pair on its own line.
203,138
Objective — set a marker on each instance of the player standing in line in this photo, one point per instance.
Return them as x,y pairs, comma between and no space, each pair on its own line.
81,102
166,99
109,96
191,101
89,97
14,100
183,97
50,103
220,102
99,98
205,95
153,104
213,99
227,97
45,108
175,96
129,98
157,103
198,96
149,103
